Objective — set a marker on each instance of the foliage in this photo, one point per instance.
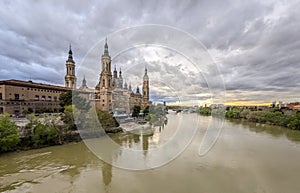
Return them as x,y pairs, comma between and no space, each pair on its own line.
273,116
39,134
205,111
44,130
136,111
71,113
146,110
107,120
295,121
156,115
65,98
234,113
9,137
73,98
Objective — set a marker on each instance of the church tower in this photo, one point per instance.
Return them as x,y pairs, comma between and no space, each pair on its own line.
105,83
70,78
145,89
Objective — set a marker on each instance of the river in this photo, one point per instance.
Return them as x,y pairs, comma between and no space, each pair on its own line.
247,157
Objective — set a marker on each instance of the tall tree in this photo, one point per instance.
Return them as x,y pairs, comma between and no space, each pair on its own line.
9,137
136,111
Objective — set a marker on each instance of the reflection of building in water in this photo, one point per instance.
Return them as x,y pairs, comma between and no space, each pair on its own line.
106,173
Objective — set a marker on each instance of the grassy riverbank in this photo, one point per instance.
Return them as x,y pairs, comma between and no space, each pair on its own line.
273,116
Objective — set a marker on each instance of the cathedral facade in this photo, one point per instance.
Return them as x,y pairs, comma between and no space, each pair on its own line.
113,94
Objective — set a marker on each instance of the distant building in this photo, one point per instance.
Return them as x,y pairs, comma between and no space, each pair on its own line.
17,97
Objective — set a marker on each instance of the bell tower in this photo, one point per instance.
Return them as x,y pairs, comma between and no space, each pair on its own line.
145,88
70,78
105,83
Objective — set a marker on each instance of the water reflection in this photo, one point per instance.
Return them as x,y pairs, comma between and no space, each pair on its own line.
74,168
140,141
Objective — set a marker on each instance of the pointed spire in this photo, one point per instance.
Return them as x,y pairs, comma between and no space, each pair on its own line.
115,72
145,70
125,84
83,82
106,47
120,73
70,53
137,89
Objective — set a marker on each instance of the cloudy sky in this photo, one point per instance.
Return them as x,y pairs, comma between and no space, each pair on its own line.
255,45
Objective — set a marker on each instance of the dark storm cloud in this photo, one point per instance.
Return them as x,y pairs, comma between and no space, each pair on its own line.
255,43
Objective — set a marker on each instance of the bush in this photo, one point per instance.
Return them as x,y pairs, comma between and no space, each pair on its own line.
9,137
107,120
136,111
205,111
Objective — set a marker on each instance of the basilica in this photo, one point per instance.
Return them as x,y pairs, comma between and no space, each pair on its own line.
112,93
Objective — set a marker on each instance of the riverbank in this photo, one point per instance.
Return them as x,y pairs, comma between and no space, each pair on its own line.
273,116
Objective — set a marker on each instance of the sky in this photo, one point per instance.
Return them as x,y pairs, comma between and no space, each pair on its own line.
253,46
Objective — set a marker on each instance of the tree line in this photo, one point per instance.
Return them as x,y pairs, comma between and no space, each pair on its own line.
272,116
55,129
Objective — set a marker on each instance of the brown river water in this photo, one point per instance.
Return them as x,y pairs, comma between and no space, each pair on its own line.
247,157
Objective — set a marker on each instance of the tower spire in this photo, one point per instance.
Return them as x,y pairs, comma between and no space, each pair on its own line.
106,47
120,73
70,53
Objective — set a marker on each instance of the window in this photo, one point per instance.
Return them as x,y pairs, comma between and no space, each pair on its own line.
43,98
55,98
0,96
49,98
17,96
37,97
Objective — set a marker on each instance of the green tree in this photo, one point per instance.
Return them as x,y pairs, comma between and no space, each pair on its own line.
108,121
205,111
295,121
73,98
9,137
71,114
39,135
136,111
146,110
65,98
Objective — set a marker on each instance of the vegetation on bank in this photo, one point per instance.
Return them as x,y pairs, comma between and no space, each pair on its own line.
157,115
206,111
46,130
9,137
272,116
38,132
